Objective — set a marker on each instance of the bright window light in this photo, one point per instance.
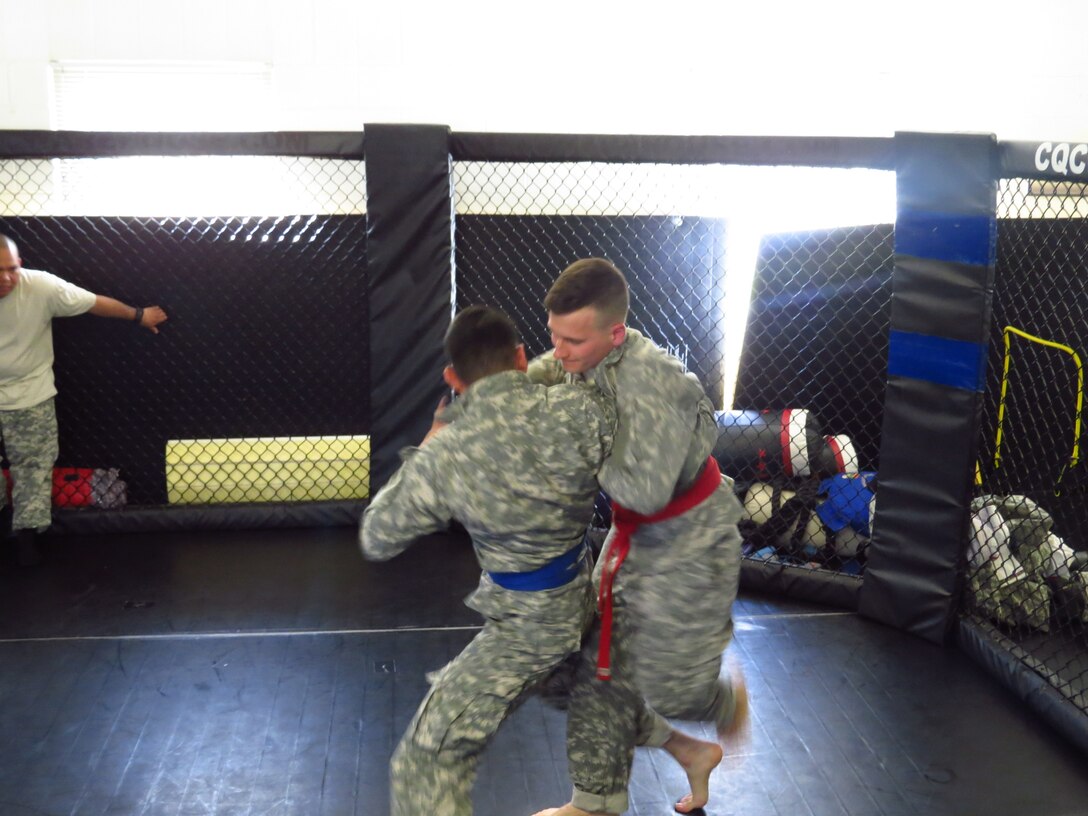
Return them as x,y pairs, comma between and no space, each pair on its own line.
773,200
754,202
110,96
207,186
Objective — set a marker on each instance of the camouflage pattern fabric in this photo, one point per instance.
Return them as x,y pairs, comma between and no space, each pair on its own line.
606,720
679,583
30,441
681,576
1029,531
999,584
518,469
1042,553
1022,601
434,765
666,426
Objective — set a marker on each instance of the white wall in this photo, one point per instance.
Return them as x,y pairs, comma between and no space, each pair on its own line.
839,67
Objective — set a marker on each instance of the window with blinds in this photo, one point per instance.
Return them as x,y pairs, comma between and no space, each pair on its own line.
173,96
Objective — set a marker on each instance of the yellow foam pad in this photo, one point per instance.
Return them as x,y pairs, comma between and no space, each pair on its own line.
267,469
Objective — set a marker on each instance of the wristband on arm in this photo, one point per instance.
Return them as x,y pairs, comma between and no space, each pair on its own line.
139,315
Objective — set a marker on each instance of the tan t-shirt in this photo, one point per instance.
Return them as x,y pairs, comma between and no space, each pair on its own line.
26,335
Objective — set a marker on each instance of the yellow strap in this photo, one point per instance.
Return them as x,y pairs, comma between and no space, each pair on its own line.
1010,330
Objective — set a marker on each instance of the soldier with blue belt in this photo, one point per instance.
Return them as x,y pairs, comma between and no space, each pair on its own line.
517,467
516,464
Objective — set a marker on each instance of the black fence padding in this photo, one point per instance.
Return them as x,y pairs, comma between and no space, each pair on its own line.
817,335
672,264
267,334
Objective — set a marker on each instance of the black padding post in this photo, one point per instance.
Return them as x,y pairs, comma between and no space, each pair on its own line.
942,291
410,269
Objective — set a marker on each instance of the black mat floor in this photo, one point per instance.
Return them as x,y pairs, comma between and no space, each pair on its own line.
271,672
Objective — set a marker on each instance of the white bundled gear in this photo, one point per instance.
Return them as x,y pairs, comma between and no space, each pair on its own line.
810,522
1000,586
1067,580
1044,555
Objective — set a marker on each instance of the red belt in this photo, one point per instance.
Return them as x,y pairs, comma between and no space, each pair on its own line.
626,522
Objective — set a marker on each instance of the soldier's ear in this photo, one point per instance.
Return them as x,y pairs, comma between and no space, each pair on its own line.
452,380
521,362
619,334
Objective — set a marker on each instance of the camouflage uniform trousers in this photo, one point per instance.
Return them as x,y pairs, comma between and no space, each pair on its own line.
606,720
434,766
30,441
680,580
672,602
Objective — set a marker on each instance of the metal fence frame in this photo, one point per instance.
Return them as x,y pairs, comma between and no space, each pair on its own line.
1007,159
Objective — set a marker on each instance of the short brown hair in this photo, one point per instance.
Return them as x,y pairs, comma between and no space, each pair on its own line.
481,341
592,282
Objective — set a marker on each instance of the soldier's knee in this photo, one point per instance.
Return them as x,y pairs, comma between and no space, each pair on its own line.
686,696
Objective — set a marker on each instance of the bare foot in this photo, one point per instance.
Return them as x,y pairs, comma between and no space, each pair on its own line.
698,759
737,729
567,810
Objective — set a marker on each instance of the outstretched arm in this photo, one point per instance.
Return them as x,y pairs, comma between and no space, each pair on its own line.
411,504
149,317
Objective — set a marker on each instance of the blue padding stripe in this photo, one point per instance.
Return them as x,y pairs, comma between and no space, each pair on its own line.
556,573
954,363
946,237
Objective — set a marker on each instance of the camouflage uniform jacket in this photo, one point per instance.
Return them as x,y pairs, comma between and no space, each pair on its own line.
666,426
518,468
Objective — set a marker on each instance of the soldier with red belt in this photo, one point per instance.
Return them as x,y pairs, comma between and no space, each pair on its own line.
674,532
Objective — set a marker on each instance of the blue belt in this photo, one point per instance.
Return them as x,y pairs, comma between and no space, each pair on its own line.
556,573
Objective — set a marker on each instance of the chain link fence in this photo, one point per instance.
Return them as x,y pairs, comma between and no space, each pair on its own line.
256,390
1027,562
772,286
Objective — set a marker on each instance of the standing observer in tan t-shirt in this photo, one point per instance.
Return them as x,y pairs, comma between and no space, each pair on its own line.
29,300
